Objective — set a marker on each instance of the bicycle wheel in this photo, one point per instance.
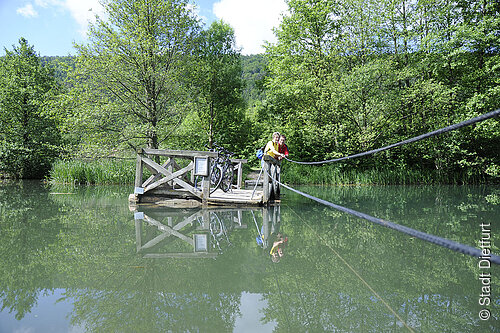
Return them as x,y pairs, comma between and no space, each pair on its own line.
227,178
214,172
215,177
215,180
197,182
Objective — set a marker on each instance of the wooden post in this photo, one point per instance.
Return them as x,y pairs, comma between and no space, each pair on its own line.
138,232
192,176
238,167
265,182
265,226
240,175
272,192
170,168
205,189
205,185
206,219
278,177
138,174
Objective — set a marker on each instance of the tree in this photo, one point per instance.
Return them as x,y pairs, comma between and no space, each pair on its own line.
254,72
217,82
301,71
127,79
29,136
348,76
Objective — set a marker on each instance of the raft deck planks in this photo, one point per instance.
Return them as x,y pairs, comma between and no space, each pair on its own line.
236,196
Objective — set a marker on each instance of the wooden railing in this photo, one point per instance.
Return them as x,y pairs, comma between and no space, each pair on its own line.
170,177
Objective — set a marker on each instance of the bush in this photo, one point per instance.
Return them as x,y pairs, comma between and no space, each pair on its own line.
26,162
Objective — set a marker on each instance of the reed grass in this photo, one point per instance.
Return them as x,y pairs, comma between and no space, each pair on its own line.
93,172
333,175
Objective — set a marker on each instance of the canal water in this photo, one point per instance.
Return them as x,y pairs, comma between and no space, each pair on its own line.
81,260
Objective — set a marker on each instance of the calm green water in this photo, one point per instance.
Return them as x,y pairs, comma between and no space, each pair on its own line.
79,260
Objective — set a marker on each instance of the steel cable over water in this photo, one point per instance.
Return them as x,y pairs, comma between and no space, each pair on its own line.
452,245
417,138
458,247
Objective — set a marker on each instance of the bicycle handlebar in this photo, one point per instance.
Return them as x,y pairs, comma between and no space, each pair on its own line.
219,148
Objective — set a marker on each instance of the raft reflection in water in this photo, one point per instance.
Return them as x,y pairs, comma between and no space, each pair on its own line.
200,232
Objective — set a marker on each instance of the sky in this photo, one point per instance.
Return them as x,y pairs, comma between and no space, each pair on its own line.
52,26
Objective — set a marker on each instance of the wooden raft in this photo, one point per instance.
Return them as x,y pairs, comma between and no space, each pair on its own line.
172,181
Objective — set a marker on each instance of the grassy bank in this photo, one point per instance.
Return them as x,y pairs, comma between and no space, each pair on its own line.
333,175
100,172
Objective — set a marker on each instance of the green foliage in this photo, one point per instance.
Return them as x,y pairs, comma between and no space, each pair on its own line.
216,111
350,76
214,79
253,74
29,135
59,65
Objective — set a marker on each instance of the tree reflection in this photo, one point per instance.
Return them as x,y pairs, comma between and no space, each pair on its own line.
24,237
95,249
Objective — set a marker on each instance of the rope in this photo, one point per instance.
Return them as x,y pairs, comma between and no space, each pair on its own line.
417,138
452,245
256,183
355,273
257,227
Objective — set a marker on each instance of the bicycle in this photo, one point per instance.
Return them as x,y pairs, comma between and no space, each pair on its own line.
227,169
218,231
221,171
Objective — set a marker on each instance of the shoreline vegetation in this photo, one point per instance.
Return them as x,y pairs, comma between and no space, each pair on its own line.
93,172
122,172
435,67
